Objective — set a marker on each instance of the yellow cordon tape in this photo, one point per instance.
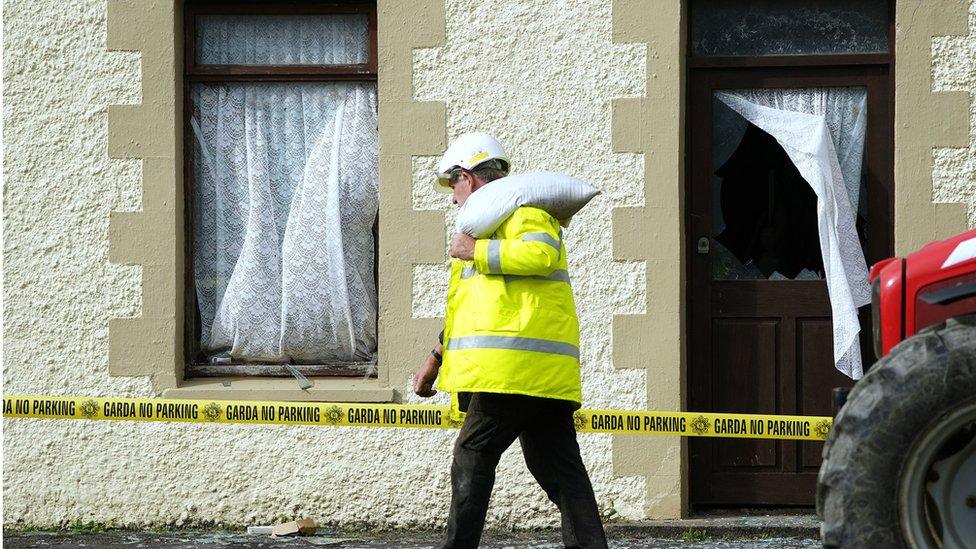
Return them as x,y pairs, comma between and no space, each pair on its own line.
625,422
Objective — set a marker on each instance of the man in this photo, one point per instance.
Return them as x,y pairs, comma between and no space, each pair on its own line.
509,354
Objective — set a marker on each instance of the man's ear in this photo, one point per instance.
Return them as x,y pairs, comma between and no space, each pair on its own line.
474,182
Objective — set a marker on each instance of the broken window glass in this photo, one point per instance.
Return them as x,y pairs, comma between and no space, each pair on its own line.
766,219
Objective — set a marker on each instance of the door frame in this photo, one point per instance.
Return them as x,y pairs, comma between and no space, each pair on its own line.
873,72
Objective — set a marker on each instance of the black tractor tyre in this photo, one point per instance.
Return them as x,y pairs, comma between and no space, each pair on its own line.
922,379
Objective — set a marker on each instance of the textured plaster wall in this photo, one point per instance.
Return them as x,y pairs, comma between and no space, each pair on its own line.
540,76
954,69
552,71
60,290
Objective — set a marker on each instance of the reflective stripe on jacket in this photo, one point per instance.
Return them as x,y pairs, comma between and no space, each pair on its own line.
511,324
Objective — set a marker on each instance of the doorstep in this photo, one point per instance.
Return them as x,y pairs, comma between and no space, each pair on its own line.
739,523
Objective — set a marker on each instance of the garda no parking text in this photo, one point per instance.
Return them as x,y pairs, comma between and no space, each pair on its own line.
625,422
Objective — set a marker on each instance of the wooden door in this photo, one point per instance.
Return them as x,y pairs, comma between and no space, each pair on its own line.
759,345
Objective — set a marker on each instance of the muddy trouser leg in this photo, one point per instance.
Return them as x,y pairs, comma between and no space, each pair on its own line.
480,444
553,457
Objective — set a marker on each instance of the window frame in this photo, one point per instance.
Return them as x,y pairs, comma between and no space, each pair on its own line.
193,73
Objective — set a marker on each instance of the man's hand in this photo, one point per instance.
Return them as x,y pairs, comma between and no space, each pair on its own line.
423,380
462,246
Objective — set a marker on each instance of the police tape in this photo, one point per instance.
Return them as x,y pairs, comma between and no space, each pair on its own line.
626,422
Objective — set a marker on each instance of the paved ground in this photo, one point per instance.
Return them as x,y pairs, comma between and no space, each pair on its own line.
726,530
210,539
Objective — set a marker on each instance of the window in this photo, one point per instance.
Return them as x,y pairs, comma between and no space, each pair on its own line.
764,213
282,195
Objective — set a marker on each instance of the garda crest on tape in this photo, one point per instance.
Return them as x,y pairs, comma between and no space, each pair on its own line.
625,422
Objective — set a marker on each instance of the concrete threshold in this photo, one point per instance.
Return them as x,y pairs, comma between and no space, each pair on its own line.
725,524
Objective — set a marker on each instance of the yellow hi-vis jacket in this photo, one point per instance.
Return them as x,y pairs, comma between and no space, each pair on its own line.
511,324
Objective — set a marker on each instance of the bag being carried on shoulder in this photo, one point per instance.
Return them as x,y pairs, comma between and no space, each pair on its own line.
560,195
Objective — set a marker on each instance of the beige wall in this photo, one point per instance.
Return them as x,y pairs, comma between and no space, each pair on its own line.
654,233
954,72
93,273
931,121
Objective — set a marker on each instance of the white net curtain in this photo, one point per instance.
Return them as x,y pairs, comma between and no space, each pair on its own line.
822,131
285,198
335,39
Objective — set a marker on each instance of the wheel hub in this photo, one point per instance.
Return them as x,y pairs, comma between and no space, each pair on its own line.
937,492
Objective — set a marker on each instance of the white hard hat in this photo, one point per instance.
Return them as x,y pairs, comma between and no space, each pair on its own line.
468,151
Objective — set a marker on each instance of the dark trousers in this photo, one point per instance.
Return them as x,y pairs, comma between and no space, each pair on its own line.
545,430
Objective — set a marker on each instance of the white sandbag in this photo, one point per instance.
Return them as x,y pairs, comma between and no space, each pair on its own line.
558,194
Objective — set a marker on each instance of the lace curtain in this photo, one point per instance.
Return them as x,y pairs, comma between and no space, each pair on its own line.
285,197
282,39
822,131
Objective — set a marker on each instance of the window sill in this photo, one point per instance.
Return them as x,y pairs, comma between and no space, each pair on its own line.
264,388
337,369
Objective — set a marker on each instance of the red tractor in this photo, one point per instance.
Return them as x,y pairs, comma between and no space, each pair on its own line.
900,463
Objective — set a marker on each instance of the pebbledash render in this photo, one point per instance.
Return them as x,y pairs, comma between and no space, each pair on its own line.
94,236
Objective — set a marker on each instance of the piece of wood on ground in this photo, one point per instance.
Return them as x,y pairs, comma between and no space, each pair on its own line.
301,527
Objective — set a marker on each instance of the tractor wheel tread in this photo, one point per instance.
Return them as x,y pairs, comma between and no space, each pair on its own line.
922,378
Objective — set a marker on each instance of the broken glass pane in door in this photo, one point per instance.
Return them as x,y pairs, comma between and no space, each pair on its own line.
765,217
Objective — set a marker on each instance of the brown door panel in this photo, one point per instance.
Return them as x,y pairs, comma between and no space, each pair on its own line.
746,345
737,489
769,298
816,376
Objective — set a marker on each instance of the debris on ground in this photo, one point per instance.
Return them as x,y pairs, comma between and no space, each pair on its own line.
300,527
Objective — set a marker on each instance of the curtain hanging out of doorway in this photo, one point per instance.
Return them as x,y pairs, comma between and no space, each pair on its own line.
822,131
